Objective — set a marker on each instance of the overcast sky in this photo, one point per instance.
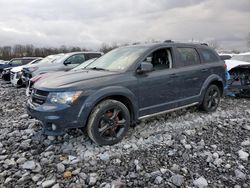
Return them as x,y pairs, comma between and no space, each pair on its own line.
89,23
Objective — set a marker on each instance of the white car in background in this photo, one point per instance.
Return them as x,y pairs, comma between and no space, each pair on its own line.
16,73
239,69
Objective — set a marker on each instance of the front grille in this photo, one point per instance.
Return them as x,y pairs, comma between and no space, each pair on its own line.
39,96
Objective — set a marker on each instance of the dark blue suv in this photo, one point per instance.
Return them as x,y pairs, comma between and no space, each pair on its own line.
128,84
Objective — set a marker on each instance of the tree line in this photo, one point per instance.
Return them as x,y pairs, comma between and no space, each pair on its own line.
29,50
9,52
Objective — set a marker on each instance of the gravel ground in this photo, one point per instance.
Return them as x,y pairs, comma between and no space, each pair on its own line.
186,148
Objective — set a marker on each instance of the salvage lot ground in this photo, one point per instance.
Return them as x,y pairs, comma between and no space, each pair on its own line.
183,148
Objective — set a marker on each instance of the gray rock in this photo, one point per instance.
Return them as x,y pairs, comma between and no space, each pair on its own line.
51,138
118,184
245,142
7,180
158,180
48,183
243,155
77,171
10,162
127,146
200,182
239,174
246,127
60,167
21,160
227,166
237,186
24,116
30,165
36,177
93,178
163,170
177,179
56,186
104,156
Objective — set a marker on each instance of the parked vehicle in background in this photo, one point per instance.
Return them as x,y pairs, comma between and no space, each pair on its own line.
28,68
239,69
33,80
64,63
16,73
5,69
2,62
127,84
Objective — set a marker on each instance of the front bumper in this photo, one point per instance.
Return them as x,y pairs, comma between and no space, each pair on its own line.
55,117
15,79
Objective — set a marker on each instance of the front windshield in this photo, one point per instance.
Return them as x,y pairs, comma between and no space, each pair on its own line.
61,58
84,64
50,58
118,59
242,58
16,62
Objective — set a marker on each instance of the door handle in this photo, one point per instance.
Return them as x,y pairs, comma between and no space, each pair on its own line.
204,70
173,75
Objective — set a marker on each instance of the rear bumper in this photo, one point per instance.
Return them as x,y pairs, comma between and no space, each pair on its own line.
54,117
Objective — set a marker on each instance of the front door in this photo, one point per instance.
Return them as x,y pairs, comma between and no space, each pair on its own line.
158,90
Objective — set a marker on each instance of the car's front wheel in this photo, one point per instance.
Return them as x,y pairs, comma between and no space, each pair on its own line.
211,99
109,122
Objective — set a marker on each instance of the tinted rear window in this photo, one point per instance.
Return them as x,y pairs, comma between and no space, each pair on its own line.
188,56
208,56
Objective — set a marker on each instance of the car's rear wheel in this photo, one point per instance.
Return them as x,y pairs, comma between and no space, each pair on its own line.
108,123
211,99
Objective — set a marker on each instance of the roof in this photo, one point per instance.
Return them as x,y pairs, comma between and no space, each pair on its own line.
170,43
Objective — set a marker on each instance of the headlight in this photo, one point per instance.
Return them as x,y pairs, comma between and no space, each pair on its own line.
32,69
19,74
63,97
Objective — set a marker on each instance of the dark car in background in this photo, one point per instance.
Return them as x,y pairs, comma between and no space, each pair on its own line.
34,79
128,84
64,63
5,68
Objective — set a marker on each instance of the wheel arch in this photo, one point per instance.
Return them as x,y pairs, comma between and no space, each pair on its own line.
213,79
121,94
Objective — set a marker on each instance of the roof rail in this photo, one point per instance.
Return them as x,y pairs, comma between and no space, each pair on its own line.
205,44
168,41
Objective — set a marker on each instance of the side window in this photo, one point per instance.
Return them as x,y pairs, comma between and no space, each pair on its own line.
208,56
25,61
188,56
93,55
76,59
161,59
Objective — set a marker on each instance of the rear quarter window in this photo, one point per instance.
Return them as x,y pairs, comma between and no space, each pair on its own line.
188,56
208,56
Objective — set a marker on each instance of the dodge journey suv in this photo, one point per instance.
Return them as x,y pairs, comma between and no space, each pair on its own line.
128,84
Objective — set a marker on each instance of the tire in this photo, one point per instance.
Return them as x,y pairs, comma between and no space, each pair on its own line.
211,99
108,122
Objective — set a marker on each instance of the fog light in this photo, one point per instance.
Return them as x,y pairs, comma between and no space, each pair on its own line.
53,127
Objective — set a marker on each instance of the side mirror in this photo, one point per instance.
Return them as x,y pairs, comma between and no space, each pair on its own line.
67,62
145,67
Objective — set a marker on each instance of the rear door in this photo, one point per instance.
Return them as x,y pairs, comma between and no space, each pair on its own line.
191,73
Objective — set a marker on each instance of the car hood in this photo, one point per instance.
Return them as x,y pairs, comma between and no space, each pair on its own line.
70,78
3,66
234,63
17,69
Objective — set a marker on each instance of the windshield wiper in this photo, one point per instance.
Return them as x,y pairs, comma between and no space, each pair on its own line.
97,68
